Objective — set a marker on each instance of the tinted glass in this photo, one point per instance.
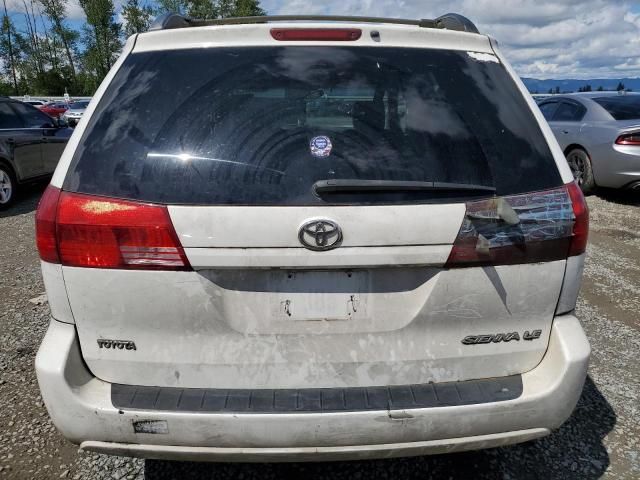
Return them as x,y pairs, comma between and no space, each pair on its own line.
79,105
548,109
624,107
32,117
569,112
262,125
8,118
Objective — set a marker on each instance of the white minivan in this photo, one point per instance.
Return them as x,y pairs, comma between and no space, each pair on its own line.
311,238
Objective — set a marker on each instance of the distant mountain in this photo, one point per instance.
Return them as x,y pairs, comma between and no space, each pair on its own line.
570,85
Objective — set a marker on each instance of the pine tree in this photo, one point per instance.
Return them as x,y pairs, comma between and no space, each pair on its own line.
170,6
248,8
204,9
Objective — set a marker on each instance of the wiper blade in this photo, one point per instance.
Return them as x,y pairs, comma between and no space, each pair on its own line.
347,185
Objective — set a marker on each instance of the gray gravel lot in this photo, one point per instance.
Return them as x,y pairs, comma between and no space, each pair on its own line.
602,438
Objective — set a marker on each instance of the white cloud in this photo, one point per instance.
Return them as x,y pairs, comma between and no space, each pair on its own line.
542,38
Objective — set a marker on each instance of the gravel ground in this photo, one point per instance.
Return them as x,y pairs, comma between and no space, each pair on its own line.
602,438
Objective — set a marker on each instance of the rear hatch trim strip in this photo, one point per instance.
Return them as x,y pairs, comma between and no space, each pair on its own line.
344,257
316,400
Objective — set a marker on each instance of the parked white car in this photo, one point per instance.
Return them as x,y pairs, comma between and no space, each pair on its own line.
239,268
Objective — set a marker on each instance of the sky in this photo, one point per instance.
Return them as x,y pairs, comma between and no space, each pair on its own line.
541,38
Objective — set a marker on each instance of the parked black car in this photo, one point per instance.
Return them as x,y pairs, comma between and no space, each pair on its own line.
31,144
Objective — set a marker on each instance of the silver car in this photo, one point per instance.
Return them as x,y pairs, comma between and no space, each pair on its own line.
76,109
599,133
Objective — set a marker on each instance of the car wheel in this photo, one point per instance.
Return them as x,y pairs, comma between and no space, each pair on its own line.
580,165
7,186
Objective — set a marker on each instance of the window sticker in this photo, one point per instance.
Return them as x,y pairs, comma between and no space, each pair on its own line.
320,146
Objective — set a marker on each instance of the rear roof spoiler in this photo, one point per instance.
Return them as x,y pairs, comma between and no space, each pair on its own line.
449,21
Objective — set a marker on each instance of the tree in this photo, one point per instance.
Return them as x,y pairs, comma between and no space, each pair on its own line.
7,47
48,56
557,90
101,37
212,8
137,18
171,6
204,9
247,8
55,10
600,89
620,87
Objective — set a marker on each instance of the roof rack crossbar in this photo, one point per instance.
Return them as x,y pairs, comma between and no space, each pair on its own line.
449,21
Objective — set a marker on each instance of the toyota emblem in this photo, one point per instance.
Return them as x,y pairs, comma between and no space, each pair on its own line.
320,235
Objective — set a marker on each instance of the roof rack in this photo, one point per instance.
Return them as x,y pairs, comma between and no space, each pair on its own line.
449,21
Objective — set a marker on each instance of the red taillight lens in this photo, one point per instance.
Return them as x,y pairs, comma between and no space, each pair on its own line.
46,225
534,227
581,223
99,232
629,139
316,34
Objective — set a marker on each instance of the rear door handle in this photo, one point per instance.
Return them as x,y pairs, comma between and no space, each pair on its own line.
566,132
10,141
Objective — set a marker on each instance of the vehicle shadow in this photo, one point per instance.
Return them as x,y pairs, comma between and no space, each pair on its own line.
575,451
26,200
623,197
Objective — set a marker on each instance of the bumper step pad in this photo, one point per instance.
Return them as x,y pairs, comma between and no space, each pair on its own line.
316,400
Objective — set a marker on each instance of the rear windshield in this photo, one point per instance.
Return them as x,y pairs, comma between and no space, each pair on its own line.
624,107
260,126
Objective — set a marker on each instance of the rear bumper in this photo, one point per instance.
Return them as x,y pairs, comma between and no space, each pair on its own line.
81,408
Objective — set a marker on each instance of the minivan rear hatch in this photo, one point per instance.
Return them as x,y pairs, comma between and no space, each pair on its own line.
335,216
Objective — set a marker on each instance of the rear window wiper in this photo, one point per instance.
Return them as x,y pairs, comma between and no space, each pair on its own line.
356,185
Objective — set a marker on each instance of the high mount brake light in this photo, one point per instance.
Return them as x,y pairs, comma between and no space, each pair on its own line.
534,227
86,231
316,34
629,139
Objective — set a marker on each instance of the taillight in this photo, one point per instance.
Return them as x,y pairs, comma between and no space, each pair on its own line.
581,223
46,225
98,232
629,139
534,227
316,34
